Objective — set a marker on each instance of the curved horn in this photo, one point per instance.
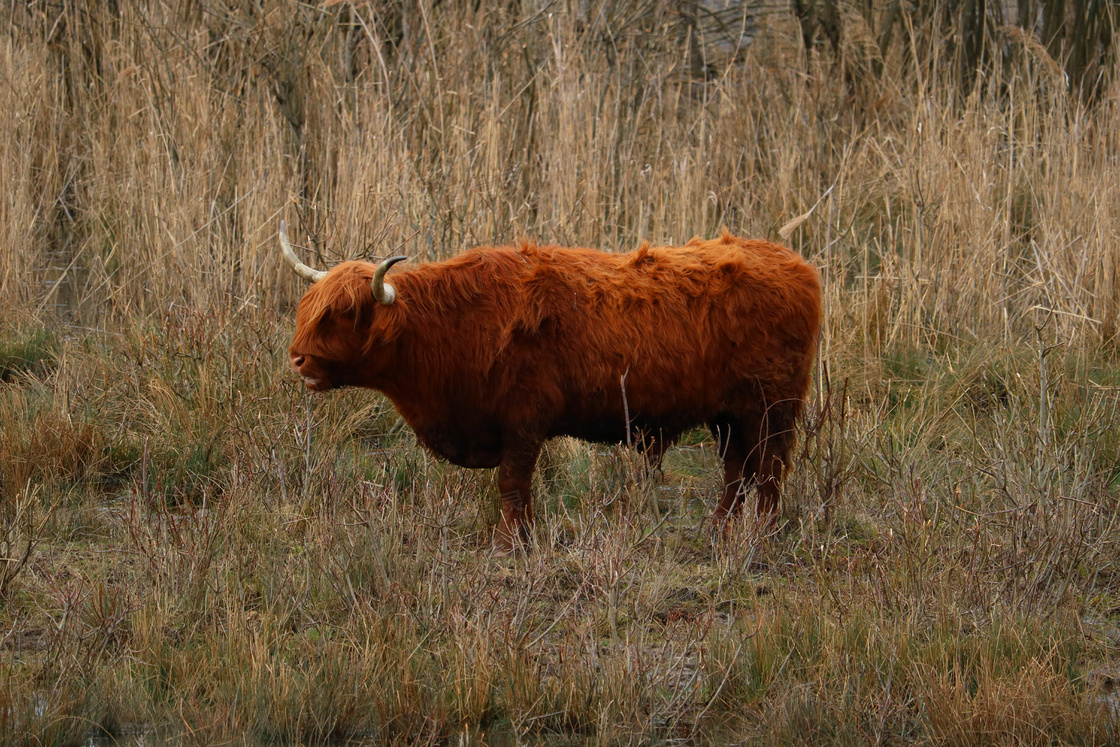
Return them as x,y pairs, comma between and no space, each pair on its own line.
382,291
301,269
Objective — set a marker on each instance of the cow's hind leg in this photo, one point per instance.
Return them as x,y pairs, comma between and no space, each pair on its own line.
775,441
755,448
740,463
515,481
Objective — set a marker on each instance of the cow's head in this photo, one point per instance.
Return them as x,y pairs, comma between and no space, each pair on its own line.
336,325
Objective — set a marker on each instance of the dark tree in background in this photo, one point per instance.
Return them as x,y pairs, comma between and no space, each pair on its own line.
1080,32
1077,34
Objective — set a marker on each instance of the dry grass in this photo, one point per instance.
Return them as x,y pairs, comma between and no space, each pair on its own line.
194,544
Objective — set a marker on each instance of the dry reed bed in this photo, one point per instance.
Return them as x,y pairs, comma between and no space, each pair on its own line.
196,544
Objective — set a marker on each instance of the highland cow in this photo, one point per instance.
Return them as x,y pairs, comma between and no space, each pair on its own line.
489,354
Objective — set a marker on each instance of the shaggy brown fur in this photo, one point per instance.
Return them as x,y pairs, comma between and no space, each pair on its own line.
489,354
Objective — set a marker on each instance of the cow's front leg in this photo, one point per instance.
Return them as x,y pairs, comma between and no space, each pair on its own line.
515,481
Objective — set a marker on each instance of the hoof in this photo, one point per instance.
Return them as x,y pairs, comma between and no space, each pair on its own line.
506,544
724,526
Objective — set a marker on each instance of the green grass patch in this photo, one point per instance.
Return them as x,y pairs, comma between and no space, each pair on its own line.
34,353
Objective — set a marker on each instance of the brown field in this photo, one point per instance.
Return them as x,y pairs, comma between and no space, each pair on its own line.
195,548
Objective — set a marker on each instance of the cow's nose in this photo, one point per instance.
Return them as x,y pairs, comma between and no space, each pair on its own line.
297,362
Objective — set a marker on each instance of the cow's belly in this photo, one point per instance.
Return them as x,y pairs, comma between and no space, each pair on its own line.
477,449
478,440
644,429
